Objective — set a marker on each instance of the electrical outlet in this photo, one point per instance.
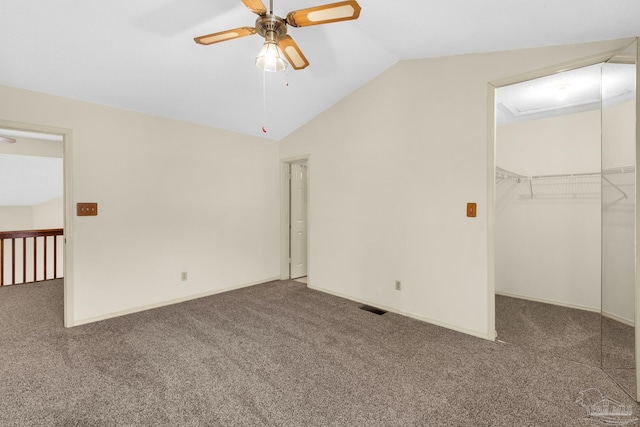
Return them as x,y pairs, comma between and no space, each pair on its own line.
183,276
398,285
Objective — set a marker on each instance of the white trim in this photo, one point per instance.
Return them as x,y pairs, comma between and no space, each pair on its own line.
407,314
68,206
491,216
559,68
284,220
548,301
285,273
69,289
170,302
637,254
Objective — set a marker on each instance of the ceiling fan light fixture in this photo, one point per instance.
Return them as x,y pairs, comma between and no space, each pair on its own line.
562,92
279,50
271,58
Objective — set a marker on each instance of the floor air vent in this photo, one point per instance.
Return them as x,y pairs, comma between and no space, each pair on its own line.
372,310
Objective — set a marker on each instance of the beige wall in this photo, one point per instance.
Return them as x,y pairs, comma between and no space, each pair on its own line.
548,247
391,170
45,215
173,197
49,214
555,145
15,218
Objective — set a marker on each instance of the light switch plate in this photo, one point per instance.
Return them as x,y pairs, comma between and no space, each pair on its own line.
87,209
471,210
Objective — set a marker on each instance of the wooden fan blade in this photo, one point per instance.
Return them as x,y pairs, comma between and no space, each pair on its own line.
294,55
334,12
225,35
256,6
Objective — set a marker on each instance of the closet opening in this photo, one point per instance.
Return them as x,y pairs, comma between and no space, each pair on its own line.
547,214
562,212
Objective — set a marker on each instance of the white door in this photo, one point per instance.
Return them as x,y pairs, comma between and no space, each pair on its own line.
298,218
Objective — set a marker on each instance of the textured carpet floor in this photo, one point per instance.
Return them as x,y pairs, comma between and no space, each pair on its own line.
577,335
276,354
550,329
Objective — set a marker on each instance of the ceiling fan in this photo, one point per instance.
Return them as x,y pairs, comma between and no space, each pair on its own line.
274,30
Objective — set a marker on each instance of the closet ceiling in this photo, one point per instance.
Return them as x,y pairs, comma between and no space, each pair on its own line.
141,55
564,93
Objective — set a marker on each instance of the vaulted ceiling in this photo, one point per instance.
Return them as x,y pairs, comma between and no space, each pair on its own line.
140,55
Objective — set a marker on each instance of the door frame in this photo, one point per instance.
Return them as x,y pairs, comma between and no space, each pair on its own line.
68,205
491,163
285,232
491,169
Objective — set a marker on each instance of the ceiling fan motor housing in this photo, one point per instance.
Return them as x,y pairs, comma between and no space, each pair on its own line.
271,27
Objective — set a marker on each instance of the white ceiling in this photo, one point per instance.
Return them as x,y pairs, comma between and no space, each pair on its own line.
31,169
29,180
140,55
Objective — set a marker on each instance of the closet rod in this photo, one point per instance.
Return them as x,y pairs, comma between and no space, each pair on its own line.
504,173
612,171
564,175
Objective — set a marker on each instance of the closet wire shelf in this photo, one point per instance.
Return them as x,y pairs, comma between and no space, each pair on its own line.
612,185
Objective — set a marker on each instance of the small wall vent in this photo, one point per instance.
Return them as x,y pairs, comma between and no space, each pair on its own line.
373,310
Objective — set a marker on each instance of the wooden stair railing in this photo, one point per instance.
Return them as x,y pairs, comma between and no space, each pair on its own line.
35,238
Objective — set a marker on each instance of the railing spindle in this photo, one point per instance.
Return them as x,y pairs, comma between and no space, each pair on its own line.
55,256
25,235
13,260
1,262
45,258
35,258
24,260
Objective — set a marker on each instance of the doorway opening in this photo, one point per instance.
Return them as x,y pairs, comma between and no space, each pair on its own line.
547,214
35,229
295,219
596,194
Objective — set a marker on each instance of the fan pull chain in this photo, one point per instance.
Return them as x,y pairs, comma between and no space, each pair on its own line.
264,96
264,101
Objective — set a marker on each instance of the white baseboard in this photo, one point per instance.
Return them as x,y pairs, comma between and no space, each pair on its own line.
578,307
425,319
170,302
618,319
546,301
